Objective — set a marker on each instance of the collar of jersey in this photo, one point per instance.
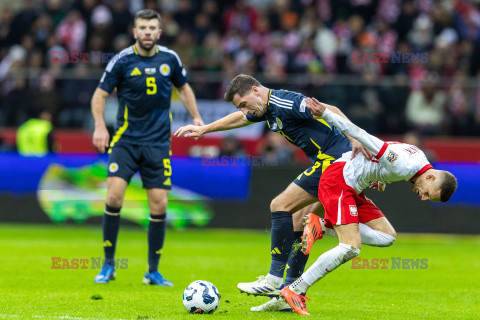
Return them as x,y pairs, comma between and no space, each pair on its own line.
136,51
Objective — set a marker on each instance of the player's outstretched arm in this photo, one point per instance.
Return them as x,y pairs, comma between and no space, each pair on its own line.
356,145
186,95
232,121
320,110
100,135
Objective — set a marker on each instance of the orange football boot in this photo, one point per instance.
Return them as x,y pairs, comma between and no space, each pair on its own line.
312,232
296,301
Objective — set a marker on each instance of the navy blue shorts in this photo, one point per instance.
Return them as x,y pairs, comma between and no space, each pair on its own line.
309,179
152,162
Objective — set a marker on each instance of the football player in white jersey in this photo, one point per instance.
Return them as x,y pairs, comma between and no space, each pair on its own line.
340,191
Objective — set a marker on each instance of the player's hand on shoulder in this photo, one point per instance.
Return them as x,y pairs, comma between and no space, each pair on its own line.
358,147
190,131
101,138
316,107
379,186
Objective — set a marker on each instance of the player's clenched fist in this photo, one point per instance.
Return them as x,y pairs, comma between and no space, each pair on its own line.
316,107
191,131
101,138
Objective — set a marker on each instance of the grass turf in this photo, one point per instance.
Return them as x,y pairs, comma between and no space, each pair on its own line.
31,289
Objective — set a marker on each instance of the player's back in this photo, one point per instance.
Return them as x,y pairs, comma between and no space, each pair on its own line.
287,115
396,161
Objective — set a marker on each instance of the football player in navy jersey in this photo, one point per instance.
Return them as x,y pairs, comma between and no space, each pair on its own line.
142,75
285,113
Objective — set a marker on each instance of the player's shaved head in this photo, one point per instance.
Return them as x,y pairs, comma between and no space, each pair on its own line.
241,84
448,185
148,14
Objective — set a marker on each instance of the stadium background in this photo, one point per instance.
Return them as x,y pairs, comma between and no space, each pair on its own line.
53,53
51,206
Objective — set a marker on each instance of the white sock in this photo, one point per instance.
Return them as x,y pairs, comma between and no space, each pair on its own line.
326,263
369,236
274,280
374,237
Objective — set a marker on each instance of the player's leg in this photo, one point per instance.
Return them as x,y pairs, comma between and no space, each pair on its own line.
348,248
116,188
297,259
375,229
341,212
156,171
377,232
282,237
121,167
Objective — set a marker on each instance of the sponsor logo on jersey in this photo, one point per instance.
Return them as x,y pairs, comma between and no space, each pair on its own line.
280,124
150,70
165,69
113,167
391,156
353,210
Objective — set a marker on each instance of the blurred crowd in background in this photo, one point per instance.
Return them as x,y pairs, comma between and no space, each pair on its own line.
301,45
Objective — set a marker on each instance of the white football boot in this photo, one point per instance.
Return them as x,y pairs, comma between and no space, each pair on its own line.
261,287
274,304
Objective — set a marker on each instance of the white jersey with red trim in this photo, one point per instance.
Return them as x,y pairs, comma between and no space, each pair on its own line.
395,161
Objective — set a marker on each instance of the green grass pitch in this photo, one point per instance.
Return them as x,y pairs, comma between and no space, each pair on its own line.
31,289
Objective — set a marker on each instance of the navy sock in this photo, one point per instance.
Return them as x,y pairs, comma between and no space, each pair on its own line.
296,261
156,237
111,225
282,240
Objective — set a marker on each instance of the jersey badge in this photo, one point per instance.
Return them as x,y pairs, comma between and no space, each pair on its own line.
391,156
136,72
165,69
150,71
113,167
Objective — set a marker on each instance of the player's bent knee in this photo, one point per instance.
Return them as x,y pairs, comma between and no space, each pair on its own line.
276,204
391,239
349,252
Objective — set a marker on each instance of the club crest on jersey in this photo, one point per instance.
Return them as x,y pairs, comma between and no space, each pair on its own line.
391,156
280,124
113,167
150,70
165,69
274,126
353,210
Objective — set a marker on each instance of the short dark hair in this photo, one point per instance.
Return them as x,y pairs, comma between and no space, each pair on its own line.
148,14
241,84
448,186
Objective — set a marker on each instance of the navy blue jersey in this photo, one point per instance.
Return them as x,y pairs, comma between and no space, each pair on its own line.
287,115
144,90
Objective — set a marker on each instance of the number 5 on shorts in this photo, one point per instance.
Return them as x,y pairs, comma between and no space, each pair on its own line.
168,168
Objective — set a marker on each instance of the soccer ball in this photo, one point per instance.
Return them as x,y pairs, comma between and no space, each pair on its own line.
201,297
